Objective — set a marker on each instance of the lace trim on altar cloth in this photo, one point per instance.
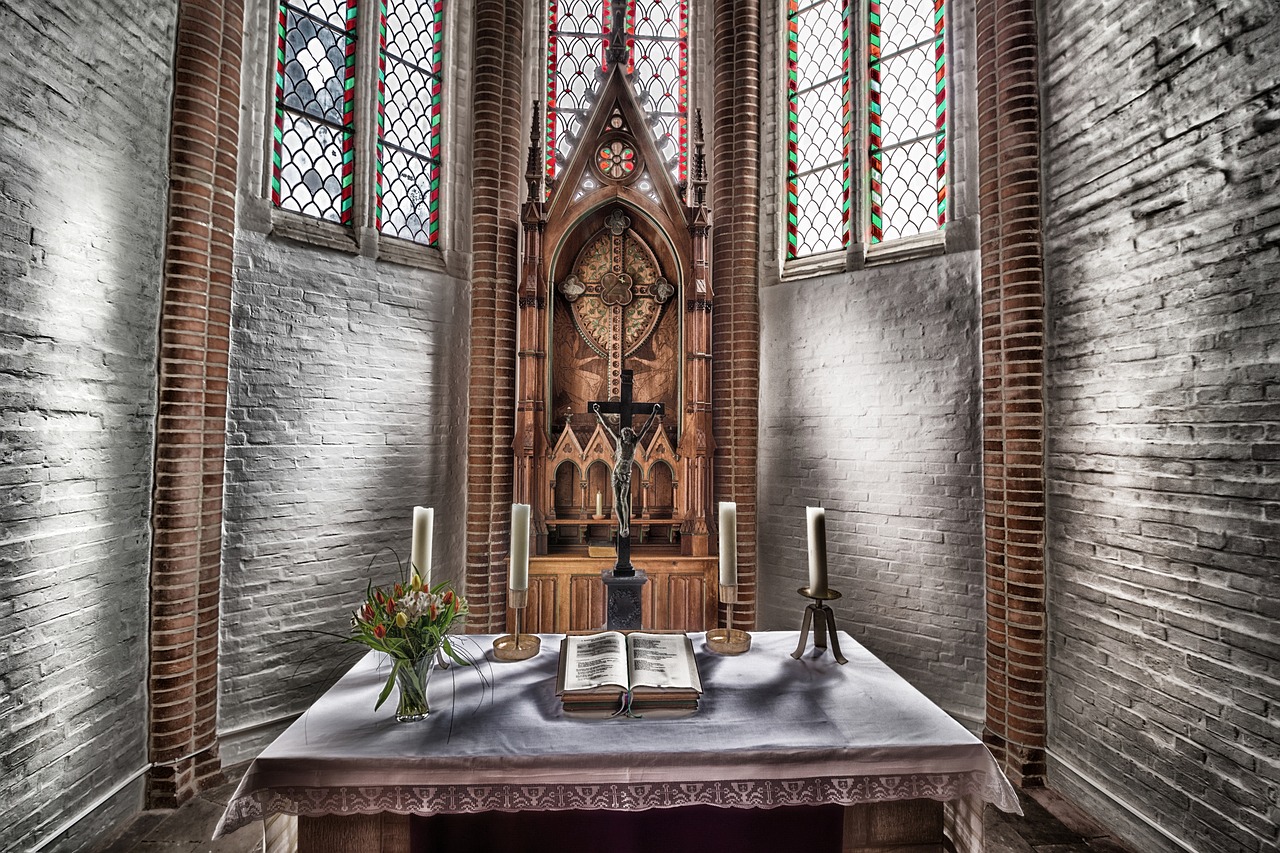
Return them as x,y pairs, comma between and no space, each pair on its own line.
464,799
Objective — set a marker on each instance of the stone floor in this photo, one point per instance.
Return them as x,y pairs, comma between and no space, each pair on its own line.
1050,825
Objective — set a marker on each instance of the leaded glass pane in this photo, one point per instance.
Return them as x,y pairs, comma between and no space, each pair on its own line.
817,127
907,108
315,59
410,61
311,178
333,12
910,195
575,58
410,194
407,112
659,64
904,23
576,42
819,219
907,100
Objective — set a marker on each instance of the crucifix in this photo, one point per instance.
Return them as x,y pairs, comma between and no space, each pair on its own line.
625,441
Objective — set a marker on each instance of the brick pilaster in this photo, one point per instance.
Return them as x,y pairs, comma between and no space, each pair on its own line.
497,145
1013,327
195,324
735,252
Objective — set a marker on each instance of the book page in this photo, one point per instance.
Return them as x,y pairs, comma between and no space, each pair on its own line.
663,660
595,660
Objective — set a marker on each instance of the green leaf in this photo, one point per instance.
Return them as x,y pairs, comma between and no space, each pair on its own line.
448,649
386,688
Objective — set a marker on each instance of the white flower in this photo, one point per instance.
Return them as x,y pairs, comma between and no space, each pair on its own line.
417,604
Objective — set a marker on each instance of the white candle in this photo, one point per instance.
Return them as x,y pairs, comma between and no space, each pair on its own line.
424,518
519,547
817,517
599,504
728,543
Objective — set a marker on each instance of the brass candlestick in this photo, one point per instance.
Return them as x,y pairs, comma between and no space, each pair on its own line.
824,623
517,646
728,641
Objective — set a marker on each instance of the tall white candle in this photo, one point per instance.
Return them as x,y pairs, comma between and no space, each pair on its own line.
424,519
599,504
728,543
519,547
817,518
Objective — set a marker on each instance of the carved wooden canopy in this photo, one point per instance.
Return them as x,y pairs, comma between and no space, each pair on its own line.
614,277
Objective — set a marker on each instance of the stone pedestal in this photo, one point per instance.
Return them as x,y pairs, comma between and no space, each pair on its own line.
622,599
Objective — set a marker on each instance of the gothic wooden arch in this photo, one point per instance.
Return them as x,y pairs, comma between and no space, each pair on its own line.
615,276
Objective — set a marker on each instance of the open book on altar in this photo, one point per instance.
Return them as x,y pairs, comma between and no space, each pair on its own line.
659,671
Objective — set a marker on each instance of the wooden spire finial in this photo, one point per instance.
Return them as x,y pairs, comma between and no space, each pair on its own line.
617,52
699,162
533,172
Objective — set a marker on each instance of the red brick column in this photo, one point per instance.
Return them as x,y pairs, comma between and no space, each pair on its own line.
195,323
1013,326
497,155
735,263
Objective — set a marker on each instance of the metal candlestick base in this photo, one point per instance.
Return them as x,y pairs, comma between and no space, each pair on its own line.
517,646
824,623
728,641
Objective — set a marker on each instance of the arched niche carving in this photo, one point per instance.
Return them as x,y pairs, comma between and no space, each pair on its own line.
616,281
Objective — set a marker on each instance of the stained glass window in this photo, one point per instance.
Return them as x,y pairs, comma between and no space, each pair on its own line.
318,47
818,126
315,110
577,37
411,83
904,64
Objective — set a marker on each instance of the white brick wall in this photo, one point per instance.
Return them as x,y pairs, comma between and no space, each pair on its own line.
83,165
1163,256
871,409
347,409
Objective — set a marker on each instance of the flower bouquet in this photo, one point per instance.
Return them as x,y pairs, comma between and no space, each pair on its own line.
410,623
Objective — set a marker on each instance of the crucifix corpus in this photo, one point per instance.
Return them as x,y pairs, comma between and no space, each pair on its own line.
625,441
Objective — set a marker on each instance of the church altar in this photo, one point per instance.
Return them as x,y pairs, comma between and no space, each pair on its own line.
770,732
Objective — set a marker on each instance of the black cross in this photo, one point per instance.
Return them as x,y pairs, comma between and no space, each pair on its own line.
624,406
627,409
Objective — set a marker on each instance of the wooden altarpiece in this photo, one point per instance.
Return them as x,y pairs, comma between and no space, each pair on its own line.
615,277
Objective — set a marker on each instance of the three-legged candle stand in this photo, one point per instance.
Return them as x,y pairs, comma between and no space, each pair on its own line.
728,641
517,646
823,621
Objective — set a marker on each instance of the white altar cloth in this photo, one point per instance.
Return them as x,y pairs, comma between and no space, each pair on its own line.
770,731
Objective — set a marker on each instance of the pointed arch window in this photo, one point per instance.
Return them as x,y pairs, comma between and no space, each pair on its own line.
866,108
324,119
658,39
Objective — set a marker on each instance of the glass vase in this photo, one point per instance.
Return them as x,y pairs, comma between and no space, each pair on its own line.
412,677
